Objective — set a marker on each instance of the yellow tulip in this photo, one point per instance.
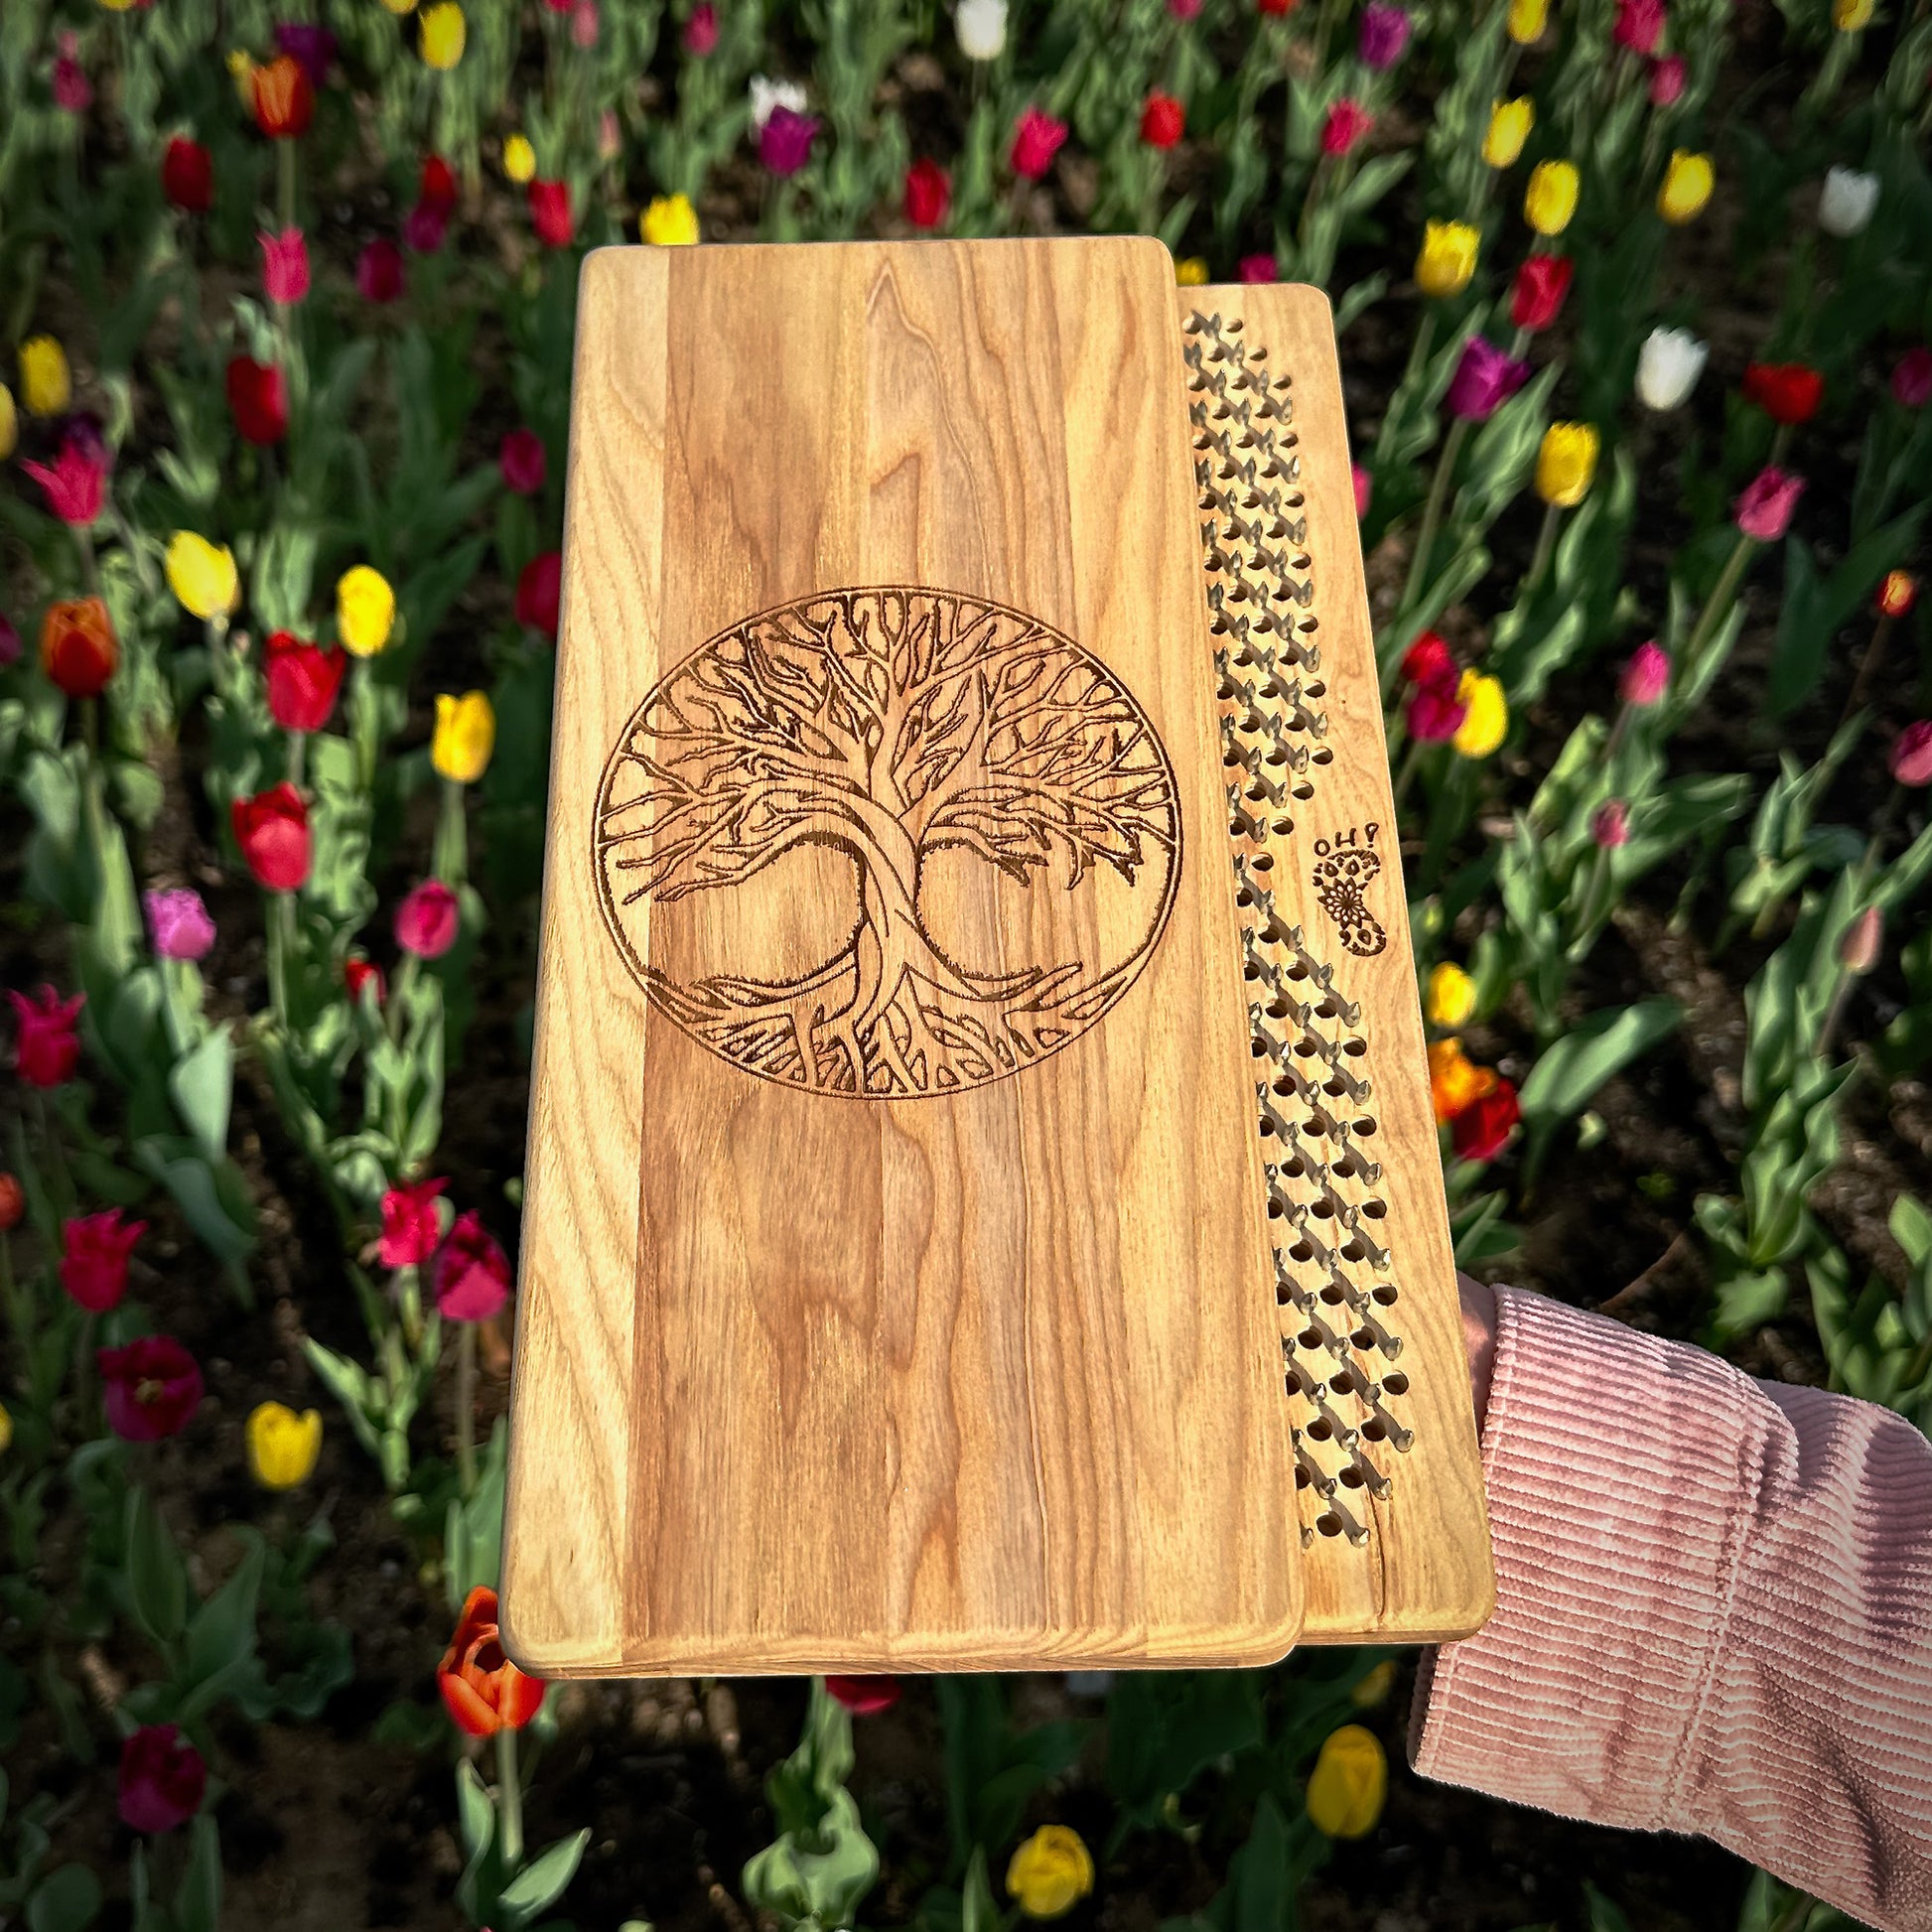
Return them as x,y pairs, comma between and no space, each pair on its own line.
1566,464
1052,1872
202,575
6,1430
1551,197
1485,722
365,610
1373,1691
1451,996
46,383
119,6
9,423
1848,16
1510,122
1447,258
669,222
465,737
1687,183
1527,20
1190,271
282,1445
443,34
519,159
1349,1781
400,7
241,70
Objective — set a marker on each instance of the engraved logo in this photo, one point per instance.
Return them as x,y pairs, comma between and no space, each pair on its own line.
888,842
1343,872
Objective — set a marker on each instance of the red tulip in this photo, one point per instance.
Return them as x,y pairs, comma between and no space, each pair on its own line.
76,484
1481,1130
78,648
1787,393
13,1203
380,271
258,399
1036,139
358,972
928,194
303,680
1257,271
49,1048
150,1389
285,99
93,1258
1429,661
539,591
1164,120
522,463
285,266
1348,121
484,1691
864,1697
1275,8
162,1782
472,1273
1541,283
1435,713
550,212
188,176
412,1223
427,920
437,186
272,830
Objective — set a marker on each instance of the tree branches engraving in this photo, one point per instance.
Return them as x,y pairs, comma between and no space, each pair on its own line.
1008,813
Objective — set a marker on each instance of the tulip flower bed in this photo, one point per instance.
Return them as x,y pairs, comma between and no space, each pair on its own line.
1633,298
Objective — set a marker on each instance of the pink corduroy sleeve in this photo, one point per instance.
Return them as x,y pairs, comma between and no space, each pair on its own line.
1714,1612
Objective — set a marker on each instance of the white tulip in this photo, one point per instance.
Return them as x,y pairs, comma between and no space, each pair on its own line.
767,95
1845,207
1668,367
982,28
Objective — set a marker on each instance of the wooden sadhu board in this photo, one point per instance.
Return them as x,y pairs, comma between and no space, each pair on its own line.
902,1278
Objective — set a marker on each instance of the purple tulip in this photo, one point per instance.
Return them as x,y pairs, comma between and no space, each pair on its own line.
312,48
1385,36
1485,378
786,141
180,923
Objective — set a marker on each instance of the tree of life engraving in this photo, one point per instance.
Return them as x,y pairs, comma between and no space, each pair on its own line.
1001,820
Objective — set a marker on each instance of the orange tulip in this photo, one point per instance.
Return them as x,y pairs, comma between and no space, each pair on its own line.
78,648
485,1691
1455,1080
285,99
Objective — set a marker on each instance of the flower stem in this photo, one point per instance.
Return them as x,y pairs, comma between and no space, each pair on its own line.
451,855
285,182
281,910
1545,542
297,748
1875,656
510,1796
1405,777
65,1198
1719,601
1432,514
466,1407
1875,845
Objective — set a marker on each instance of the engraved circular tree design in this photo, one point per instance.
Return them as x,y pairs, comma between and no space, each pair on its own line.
888,842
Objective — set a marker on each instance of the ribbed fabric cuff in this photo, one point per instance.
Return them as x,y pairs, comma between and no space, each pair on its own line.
1622,1476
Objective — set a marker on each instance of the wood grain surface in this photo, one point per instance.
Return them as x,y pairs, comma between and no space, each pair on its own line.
1388,1470
894,1287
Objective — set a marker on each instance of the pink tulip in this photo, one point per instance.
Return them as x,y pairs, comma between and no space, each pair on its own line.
180,923
1763,510
76,485
521,461
1666,80
1610,824
427,920
1911,754
285,266
1364,489
1257,270
701,30
1347,122
1646,677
